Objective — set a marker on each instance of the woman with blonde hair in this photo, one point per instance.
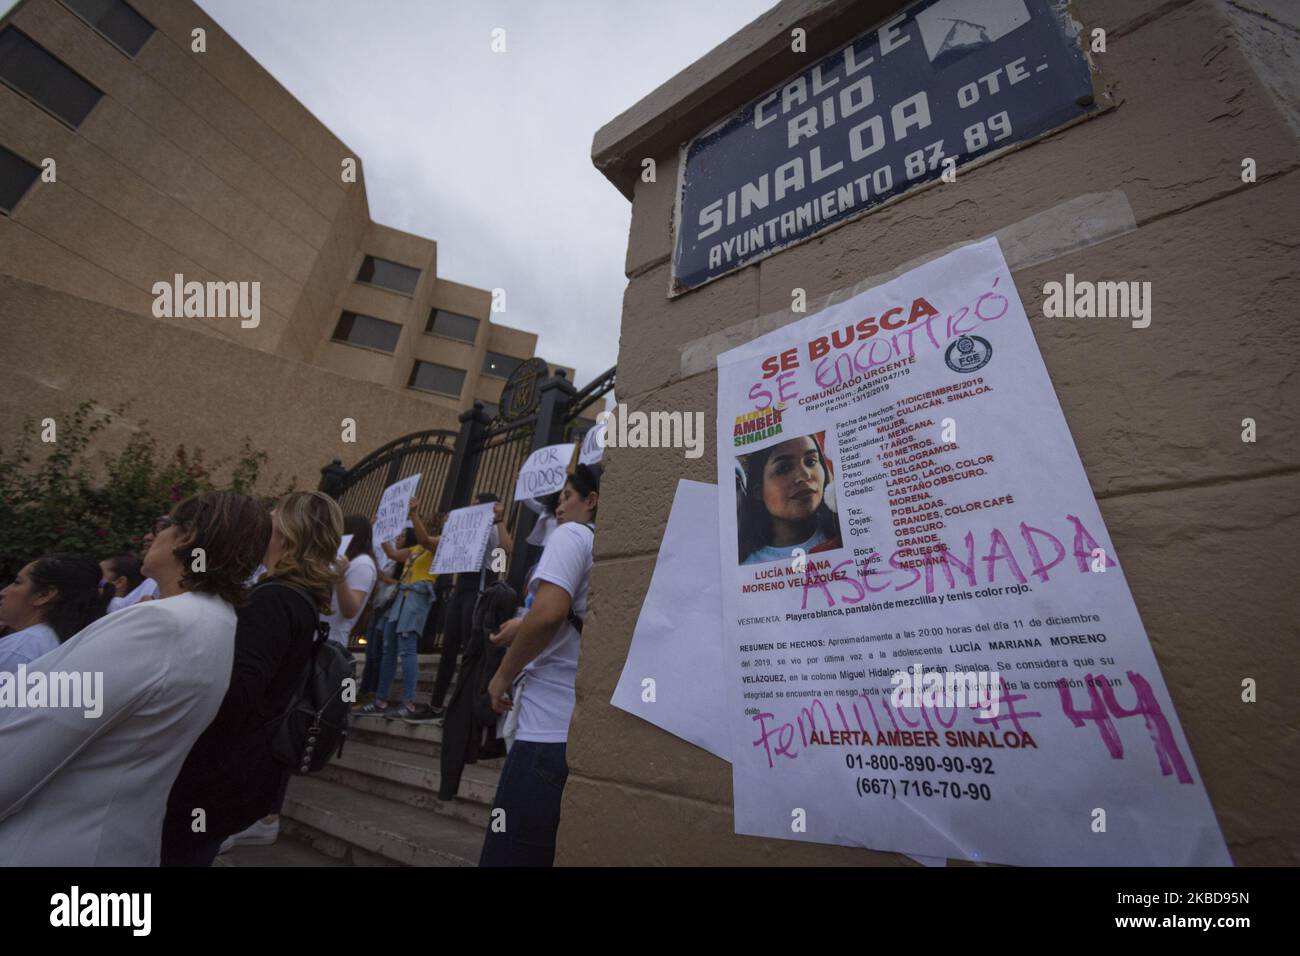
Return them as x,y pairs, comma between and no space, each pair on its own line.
232,773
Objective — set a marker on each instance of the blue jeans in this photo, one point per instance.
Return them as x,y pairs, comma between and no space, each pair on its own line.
531,785
397,645
374,656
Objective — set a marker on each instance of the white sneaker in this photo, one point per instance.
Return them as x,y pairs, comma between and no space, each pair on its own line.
259,834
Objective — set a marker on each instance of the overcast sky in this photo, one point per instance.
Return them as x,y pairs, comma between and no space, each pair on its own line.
489,153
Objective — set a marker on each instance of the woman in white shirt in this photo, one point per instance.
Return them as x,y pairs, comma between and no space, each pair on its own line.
543,646
48,601
357,577
86,783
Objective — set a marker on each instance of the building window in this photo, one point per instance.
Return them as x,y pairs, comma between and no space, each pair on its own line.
494,363
388,275
16,177
453,325
116,20
42,77
492,409
431,377
368,331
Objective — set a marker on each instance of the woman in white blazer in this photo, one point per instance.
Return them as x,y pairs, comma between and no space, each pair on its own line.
86,783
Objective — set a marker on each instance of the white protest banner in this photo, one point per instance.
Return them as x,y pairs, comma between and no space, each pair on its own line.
674,676
343,544
463,541
931,645
676,645
543,472
394,507
593,443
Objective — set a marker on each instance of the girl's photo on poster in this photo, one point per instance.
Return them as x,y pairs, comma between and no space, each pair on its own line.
785,500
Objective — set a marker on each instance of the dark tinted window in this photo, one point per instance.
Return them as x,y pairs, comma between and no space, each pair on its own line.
41,76
115,20
16,177
388,275
494,363
367,330
437,378
453,325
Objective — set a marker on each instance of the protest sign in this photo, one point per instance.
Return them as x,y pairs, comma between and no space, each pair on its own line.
676,645
544,472
593,443
343,545
394,508
931,645
674,676
463,541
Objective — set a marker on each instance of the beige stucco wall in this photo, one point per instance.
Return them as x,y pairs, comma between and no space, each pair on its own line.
188,389
1206,526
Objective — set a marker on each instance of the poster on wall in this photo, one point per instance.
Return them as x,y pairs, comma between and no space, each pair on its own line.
930,643
936,87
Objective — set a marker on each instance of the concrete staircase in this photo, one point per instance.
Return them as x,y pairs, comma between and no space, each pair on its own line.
377,804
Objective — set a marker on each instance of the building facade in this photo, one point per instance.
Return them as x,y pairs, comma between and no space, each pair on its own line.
1151,188
141,150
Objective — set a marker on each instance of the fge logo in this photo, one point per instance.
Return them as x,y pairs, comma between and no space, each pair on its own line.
103,909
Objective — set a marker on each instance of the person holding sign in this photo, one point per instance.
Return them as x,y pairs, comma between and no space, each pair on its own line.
405,620
543,647
460,607
357,576
782,495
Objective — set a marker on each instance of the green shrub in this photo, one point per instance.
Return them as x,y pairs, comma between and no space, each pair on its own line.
65,503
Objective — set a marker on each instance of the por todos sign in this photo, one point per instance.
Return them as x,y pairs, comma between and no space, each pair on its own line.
954,80
544,472
913,498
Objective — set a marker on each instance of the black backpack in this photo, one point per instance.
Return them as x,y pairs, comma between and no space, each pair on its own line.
315,724
496,605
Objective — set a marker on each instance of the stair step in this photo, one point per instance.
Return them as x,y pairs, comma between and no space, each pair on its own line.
413,779
283,852
424,738
408,736
424,660
363,829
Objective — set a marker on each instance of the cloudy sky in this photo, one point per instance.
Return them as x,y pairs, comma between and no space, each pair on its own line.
489,153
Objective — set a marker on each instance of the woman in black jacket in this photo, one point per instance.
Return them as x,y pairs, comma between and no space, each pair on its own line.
231,779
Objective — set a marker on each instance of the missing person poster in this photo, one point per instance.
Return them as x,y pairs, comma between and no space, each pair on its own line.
930,644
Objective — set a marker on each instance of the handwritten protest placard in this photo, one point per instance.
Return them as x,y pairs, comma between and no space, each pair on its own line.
463,541
543,472
394,506
593,443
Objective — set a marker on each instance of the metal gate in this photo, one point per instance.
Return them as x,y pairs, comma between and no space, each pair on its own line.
426,453
484,456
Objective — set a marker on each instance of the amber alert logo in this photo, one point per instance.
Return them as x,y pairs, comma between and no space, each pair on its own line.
756,426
